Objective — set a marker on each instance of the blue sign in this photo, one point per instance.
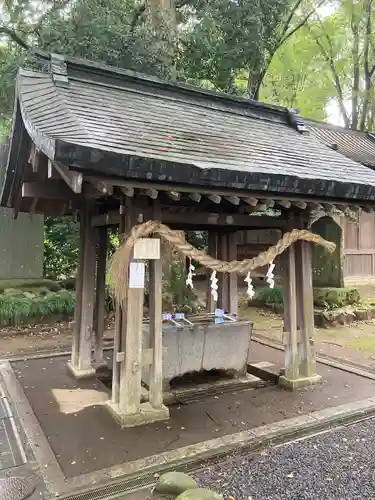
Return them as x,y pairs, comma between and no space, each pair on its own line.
179,316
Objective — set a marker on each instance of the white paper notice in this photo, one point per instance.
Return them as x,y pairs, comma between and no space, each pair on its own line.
137,275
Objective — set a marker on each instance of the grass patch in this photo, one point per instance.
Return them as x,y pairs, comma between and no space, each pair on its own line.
20,308
365,343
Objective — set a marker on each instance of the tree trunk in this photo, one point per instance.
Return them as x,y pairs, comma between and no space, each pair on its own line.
356,78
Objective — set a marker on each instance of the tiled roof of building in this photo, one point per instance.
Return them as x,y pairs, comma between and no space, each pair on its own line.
358,146
90,109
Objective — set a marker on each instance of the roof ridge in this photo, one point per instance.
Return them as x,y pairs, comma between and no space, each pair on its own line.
96,68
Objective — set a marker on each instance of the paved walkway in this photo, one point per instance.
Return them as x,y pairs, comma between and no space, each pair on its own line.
335,465
85,438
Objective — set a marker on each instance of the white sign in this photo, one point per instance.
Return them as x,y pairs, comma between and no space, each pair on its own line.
137,275
147,248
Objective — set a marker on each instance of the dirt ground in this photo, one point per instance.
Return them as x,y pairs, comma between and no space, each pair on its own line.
355,343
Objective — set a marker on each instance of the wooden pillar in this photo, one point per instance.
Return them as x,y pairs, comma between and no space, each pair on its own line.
222,251
232,278
131,368
79,279
83,368
305,304
117,341
156,334
290,317
99,320
212,251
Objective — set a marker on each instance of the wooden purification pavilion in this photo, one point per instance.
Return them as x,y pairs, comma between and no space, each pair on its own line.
118,149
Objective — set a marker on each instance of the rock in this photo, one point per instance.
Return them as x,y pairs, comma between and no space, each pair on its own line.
174,483
16,488
362,314
200,494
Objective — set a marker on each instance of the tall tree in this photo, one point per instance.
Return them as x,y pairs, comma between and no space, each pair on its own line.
292,79
346,44
227,38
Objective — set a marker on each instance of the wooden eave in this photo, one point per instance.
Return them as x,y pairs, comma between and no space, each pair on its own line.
87,126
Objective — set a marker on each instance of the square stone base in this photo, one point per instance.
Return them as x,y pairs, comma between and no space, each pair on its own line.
80,374
298,383
146,415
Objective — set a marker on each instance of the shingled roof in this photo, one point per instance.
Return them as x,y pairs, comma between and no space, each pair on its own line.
358,146
117,123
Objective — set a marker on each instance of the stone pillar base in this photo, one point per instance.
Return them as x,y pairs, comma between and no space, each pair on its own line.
298,383
146,415
80,374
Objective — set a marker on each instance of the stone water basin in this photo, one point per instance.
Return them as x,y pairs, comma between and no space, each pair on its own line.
203,346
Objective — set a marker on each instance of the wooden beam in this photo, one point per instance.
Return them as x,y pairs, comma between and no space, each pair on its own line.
72,178
173,195
284,203
103,187
34,158
251,201
212,252
315,206
195,197
243,194
268,203
156,333
200,219
128,191
232,277
48,190
33,205
367,209
290,316
300,204
233,199
83,221
99,319
52,173
214,198
151,193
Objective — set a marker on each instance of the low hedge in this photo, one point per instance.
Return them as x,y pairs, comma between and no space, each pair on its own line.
22,307
328,298
29,284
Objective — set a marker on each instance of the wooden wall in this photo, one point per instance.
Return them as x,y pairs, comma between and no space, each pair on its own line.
359,247
251,243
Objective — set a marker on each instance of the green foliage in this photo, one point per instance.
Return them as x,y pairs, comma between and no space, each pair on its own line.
333,298
60,247
22,307
270,296
328,298
291,78
177,297
228,38
29,284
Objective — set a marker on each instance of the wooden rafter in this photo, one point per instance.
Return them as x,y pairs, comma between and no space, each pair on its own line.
73,179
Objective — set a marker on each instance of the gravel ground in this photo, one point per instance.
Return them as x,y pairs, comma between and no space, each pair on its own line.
339,465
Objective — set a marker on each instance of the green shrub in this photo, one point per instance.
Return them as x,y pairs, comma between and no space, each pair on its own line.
177,296
333,298
270,296
29,284
19,308
328,298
